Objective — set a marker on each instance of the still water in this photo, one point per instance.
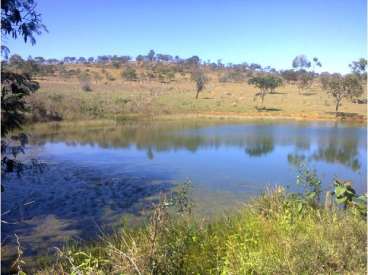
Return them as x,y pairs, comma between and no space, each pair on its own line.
95,174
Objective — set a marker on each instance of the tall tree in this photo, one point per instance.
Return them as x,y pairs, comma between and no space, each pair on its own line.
301,62
151,55
359,67
18,19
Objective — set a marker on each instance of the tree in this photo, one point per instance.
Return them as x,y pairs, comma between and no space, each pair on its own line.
290,75
14,89
193,61
301,62
18,18
265,84
200,79
305,80
343,87
316,63
274,82
151,55
139,58
359,67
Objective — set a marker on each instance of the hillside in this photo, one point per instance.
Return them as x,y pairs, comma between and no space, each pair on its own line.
155,92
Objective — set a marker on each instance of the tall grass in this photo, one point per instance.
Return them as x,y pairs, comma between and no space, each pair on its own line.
270,235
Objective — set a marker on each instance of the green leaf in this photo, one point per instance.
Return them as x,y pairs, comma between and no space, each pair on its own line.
341,200
340,190
300,207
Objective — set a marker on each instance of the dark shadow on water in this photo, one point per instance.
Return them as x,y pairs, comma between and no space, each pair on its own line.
72,205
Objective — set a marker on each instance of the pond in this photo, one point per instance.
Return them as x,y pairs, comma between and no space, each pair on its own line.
96,174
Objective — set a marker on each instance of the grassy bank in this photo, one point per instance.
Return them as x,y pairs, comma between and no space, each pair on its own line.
277,233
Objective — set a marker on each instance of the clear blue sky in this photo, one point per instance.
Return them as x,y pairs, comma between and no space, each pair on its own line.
269,32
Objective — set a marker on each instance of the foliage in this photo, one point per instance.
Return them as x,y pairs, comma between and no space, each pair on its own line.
305,80
15,87
20,18
308,178
129,74
200,79
343,87
290,75
347,196
359,67
301,62
266,84
270,235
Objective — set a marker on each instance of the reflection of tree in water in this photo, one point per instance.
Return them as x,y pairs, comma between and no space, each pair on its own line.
259,146
302,142
296,159
341,151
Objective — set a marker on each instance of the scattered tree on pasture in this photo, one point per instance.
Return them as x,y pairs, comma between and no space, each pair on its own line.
274,82
316,63
343,87
200,79
359,67
265,84
305,81
301,62
290,75
151,55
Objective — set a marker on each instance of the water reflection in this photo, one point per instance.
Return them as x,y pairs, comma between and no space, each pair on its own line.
259,146
97,173
343,151
336,144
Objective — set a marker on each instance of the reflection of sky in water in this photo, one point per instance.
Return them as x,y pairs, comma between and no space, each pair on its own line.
96,174
235,158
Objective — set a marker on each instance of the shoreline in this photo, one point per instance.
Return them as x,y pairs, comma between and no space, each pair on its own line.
215,116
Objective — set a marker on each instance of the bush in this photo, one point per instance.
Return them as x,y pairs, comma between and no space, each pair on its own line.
129,74
271,235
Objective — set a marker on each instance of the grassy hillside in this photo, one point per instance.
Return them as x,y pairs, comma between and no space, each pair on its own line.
63,97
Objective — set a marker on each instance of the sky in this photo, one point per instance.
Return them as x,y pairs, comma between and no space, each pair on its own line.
268,32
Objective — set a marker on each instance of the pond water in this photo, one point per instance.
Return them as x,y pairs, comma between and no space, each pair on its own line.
95,174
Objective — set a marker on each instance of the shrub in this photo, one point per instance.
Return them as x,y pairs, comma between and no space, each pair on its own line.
270,235
129,74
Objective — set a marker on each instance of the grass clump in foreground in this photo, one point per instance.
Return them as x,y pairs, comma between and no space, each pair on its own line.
276,233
